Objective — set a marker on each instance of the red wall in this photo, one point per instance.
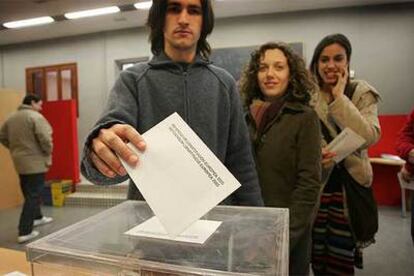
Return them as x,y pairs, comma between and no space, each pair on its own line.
63,119
390,126
385,185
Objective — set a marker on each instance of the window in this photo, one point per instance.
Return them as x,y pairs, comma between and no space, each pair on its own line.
54,82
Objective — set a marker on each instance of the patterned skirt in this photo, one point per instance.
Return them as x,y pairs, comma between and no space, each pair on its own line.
333,247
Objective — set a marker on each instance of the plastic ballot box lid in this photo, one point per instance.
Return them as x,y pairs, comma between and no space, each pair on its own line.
249,241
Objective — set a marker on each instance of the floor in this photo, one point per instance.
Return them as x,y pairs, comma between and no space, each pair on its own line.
392,254
62,217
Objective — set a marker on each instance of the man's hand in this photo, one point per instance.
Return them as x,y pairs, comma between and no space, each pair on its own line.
112,142
327,156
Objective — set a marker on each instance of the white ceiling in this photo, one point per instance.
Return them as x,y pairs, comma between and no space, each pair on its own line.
11,10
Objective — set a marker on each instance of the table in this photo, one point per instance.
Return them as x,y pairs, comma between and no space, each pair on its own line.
383,161
386,185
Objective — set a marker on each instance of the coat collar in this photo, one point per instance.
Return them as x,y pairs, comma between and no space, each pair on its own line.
288,107
321,107
295,107
25,107
162,60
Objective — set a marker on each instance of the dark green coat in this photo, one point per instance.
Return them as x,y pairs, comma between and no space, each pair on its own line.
288,160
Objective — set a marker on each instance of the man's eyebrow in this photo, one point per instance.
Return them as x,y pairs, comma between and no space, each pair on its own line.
190,6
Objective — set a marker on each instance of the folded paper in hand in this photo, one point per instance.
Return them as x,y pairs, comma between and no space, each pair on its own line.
345,143
178,175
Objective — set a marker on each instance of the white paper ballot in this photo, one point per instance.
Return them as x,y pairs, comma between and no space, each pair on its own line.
345,143
178,175
198,232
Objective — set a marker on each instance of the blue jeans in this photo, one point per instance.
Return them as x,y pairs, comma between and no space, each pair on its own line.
31,186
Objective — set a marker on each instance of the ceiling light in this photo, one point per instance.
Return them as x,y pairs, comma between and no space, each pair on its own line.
29,22
143,5
94,12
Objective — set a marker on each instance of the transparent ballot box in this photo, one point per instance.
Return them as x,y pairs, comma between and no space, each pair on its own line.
250,241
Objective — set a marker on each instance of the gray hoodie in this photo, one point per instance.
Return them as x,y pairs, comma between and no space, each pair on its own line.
204,95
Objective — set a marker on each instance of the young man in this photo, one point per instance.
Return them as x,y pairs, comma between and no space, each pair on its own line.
28,136
179,79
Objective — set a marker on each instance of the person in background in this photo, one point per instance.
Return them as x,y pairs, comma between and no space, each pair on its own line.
405,148
341,103
179,78
28,136
286,138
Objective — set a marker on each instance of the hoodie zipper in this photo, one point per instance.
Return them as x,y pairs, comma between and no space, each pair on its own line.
186,98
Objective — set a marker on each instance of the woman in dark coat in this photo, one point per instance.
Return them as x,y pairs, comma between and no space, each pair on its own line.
285,134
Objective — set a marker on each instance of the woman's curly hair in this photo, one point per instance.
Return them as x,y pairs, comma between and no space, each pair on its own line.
301,84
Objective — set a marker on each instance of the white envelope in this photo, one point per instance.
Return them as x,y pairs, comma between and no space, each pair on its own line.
345,143
178,175
198,232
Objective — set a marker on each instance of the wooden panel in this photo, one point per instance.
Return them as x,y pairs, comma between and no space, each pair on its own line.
35,82
10,194
13,260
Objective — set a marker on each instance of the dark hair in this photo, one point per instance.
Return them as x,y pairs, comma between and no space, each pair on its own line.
300,84
156,22
31,97
325,42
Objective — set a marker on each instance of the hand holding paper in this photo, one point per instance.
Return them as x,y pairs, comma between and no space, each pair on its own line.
112,140
178,175
344,144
